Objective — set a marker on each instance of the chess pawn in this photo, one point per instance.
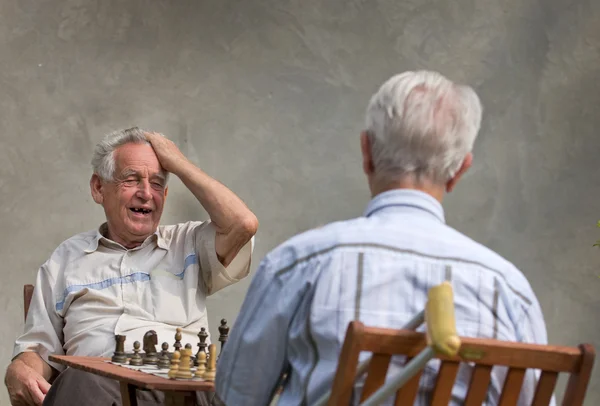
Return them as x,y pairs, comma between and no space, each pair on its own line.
177,344
201,367
211,369
119,355
163,361
136,359
184,371
202,336
174,365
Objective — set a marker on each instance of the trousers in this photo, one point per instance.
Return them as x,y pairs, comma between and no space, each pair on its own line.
75,387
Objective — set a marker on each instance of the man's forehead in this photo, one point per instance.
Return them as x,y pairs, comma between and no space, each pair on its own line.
137,158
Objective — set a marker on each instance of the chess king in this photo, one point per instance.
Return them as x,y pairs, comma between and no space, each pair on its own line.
130,275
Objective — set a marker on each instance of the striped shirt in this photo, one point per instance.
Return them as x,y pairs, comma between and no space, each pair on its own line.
378,269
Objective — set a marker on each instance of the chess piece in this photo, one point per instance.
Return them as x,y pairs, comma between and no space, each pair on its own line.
136,359
224,330
201,367
211,369
174,365
177,344
150,341
202,335
184,371
119,355
163,361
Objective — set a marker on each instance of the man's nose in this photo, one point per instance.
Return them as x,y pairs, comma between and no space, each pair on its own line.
143,191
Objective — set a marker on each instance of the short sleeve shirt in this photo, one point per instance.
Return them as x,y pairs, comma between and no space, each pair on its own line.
92,288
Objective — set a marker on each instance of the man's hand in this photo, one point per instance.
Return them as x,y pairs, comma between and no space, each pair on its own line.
169,156
26,387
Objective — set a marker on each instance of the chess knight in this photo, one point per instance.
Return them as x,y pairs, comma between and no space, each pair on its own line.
129,275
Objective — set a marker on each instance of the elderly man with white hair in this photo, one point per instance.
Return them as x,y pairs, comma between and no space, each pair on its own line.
130,275
378,268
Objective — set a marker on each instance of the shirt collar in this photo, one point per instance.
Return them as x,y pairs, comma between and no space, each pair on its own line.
407,198
102,231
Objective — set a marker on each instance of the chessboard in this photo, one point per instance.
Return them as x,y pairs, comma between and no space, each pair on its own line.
179,364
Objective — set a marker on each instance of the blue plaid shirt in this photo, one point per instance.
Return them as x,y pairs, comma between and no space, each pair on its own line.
378,269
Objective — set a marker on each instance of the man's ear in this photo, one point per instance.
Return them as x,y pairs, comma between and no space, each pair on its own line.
466,164
97,189
365,147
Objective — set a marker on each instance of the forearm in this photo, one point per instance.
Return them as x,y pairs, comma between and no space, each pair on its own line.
35,362
226,210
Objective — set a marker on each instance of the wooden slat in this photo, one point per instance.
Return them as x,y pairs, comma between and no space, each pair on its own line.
444,383
578,382
343,382
512,387
128,394
478,387
27,295
407,394
481,351
545,388
378,367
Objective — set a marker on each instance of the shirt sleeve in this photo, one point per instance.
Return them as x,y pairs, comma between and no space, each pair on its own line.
254,358
214,275
533,330
43,327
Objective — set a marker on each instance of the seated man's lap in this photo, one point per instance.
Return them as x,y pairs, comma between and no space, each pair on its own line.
76,387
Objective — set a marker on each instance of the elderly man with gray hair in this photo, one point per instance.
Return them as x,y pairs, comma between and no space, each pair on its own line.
130,275
378,268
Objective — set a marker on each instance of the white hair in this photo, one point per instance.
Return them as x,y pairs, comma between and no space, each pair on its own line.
421,124
103,159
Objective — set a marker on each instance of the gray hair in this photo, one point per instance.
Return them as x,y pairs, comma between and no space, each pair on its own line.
103,160
423,125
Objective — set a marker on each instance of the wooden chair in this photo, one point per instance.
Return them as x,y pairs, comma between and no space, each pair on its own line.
27,294
485,353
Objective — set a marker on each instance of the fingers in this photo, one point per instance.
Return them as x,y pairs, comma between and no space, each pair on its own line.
37,396
44,386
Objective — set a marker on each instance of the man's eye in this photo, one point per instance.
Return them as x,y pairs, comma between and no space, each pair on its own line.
157,185
130,182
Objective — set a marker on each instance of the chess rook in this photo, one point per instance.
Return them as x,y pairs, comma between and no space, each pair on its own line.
119,355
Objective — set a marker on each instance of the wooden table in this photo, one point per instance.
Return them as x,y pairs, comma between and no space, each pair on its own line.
177,392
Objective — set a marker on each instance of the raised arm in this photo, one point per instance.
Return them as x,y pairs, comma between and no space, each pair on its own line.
235,224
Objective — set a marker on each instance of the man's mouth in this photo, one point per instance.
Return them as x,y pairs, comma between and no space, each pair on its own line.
140,210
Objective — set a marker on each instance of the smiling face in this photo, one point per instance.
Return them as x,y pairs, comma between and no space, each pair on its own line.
133,202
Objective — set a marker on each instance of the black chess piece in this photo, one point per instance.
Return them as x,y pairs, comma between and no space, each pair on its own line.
119,355
188,346
136,358
163,361
202,335
224,330
150,341
177,344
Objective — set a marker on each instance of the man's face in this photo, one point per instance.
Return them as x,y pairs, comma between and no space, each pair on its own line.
134,201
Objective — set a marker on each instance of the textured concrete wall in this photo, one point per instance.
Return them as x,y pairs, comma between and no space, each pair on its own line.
268,97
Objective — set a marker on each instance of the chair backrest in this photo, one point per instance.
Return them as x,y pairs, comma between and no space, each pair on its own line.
484,353
27,294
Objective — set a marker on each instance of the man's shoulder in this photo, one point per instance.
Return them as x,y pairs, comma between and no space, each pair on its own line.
77,242
312,242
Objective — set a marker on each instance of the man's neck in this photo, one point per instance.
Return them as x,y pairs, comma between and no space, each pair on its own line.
125,243
434,190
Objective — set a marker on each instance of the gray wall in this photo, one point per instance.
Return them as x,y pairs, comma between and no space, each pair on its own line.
269,96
